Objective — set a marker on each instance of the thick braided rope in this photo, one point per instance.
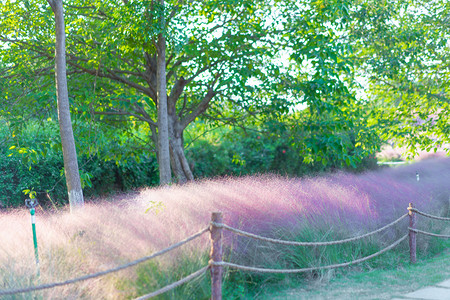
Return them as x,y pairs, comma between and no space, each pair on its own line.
102,273
286,271
429,216
175,284
429,233
292,243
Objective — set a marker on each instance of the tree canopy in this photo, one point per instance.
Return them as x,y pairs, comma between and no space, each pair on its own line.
402,49
287,66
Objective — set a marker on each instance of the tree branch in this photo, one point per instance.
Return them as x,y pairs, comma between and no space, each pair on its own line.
52,4
81,7
172,69
112,75
201,108
175,93
180,114
205,68
125,113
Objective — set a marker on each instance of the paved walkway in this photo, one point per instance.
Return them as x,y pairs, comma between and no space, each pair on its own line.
440,291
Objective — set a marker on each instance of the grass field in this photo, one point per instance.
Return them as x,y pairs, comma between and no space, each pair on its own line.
375,284
109,232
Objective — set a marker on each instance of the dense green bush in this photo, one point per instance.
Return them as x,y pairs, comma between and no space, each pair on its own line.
44,178
31,159
47,180
274,148
107,176
249,154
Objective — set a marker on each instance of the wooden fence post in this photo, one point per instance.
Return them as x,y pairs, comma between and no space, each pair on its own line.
216,256
412,235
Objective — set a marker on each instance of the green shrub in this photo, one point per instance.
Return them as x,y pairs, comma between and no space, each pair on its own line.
47,180
272,148
108,176
33,160
44,178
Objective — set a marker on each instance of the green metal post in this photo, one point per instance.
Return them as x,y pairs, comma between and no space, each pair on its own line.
33,226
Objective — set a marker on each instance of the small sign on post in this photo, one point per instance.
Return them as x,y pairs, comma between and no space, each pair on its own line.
31,204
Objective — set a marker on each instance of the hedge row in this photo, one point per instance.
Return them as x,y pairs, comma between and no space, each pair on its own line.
47,180
229,152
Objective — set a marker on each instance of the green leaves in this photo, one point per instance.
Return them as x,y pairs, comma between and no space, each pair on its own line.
291,61
401,49
31,194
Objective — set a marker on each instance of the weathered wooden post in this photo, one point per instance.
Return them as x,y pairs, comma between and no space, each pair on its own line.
412,235
216,256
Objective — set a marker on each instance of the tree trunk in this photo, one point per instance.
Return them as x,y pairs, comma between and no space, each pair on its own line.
71,171
180,165
165,175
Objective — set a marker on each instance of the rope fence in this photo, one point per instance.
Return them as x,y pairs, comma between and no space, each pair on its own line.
429,233
175,284
428,215
216,264
103,273
289,271
292,243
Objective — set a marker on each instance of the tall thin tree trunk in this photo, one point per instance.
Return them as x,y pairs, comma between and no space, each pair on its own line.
72,174
165,175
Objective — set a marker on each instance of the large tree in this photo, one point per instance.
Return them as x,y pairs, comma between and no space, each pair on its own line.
212,51
71,170
226,58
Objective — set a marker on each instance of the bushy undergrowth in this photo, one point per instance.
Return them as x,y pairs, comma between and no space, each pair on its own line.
34,162
46,178
269,149
31,158
331,207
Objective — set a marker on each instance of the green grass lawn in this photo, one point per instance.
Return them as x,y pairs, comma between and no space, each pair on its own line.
376,284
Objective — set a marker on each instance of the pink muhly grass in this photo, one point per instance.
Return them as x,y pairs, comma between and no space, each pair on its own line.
106,234
357,202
